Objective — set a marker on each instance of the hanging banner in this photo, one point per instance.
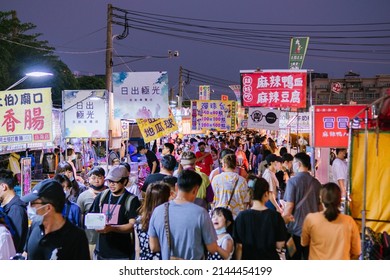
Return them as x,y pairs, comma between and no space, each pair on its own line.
125,130
25,183
152,129
237,91
85,113
262,118
298,48
140,95
331,124
274,88
25,116
216,115
204,92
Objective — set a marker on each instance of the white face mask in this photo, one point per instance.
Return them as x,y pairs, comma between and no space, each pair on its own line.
33,216
295,167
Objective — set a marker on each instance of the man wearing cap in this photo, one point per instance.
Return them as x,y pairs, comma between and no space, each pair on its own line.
273,164
120,208
86,198
51,236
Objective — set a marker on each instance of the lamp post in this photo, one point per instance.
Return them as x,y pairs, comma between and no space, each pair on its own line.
26,76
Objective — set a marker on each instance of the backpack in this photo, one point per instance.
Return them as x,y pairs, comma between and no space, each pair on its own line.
10,226
257,149
128,201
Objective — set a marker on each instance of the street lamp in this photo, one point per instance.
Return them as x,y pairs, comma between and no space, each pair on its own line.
31,74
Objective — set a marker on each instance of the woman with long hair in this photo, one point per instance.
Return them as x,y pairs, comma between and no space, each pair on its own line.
156,194
66,168
329,234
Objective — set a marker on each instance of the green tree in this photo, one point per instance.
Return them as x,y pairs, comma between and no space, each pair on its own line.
21,52
92,82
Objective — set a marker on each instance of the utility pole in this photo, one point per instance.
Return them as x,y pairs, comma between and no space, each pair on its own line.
180,97
109,50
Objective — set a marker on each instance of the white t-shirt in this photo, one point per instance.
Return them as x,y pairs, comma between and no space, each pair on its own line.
339,170
7,248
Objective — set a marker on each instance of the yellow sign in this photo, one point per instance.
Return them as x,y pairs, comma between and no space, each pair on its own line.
153,129
217,115
25,116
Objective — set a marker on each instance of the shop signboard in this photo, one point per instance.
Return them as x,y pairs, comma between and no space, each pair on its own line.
274,88
331,123
85,117
152,129
140,95
213,115
263,118
25,116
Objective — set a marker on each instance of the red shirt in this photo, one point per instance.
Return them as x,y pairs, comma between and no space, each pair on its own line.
205,164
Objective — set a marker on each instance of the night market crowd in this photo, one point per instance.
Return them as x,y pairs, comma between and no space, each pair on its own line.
221,196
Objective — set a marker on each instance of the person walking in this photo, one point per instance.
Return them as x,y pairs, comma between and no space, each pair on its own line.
330,234
14,208
180,228
51,236
302,196
259,231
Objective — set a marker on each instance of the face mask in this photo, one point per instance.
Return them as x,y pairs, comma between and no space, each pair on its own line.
97,188
221,230
33,216
71,178
295,167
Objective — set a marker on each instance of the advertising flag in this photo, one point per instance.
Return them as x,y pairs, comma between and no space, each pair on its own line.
152,129
204,92
298,48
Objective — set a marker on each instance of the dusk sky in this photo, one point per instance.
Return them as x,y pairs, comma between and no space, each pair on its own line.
246,34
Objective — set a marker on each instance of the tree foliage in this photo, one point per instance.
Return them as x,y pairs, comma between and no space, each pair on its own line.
21,52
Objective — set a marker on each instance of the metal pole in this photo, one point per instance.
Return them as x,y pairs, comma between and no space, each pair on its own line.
109,50
365,183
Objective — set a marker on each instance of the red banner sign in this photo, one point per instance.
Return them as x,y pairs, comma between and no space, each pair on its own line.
331,124
272,88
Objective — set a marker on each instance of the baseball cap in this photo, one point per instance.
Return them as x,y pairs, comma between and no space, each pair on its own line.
272,157
116,173
49,189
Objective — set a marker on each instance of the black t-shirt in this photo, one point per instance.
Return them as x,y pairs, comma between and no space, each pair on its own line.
67,243
151,179
115,245
258,232
151,157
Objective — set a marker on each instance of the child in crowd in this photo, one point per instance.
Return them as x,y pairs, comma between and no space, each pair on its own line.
222,219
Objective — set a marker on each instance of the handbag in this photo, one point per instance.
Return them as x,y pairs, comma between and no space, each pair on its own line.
167,232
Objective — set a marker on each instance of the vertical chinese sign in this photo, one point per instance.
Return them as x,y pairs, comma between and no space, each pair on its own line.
140,95
274,88
298,48
220,115
152,129
84,117
331,124
25,116
204,92
25,185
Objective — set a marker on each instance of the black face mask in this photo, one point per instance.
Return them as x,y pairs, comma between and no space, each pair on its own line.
99,188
